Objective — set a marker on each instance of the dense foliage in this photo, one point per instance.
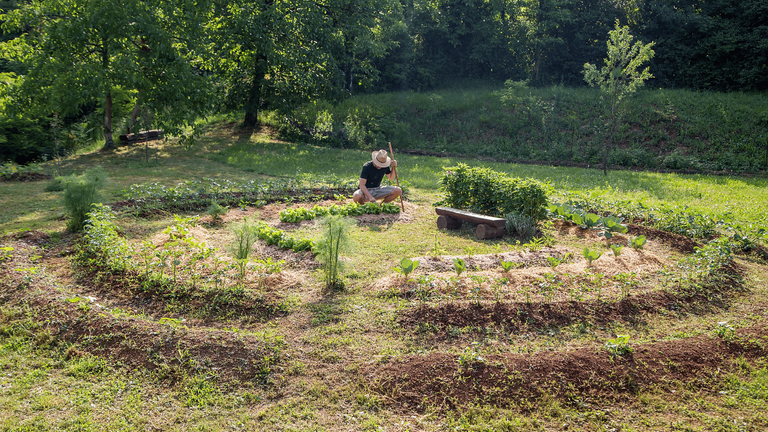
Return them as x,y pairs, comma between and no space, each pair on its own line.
164,64
488,192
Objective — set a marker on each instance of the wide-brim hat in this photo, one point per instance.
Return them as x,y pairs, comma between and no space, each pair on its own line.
380,158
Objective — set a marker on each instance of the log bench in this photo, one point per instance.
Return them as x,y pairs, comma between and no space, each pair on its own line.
143,136
488,226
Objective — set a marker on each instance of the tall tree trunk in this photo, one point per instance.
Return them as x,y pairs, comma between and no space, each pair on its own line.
109,144
253,103
134,115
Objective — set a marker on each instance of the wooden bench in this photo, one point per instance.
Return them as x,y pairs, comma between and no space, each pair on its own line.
143,136
488,226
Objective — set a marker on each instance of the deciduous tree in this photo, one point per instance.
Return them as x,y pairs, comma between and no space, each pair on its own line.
620,77
80,51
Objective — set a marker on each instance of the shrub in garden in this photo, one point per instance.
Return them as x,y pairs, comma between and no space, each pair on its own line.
522,225
216,211
103,241
488,192
245,237
80,192
335,239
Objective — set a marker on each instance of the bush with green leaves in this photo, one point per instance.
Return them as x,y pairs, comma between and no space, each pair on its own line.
335,240
521,225
216,211
103,240
484,191
80,192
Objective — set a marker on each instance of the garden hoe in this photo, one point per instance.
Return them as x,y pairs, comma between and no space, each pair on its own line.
397,180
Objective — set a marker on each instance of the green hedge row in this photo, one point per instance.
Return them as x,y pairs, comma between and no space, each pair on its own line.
484,191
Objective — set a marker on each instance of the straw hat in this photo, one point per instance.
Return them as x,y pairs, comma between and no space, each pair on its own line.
380,158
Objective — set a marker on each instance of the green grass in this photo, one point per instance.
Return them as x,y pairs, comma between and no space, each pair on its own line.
717,196
332,336
660,129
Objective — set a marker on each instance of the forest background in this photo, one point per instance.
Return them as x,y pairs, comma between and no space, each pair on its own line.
77,71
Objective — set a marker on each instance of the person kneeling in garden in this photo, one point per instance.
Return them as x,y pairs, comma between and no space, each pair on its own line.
370,180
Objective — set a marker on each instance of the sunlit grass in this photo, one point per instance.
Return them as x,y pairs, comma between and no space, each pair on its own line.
718,196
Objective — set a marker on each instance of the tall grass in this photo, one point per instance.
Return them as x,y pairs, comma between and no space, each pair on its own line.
661,129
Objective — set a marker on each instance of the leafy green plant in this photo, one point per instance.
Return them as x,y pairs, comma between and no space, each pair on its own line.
555,261
146,251
550,284
612,224
618,346
590,255
407,266
477,287
525,290
590,221
616,249
298,214
499,290
270,266
459,266
335,239
103,240
638,242
437,247
535,244
723,330
685,222
746,239
277,237
180,229
509,265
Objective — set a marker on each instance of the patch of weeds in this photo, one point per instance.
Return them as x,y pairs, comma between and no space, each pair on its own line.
626,282
470,357
723,330
200,391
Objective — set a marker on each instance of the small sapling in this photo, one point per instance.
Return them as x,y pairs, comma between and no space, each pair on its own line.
591,255
638,242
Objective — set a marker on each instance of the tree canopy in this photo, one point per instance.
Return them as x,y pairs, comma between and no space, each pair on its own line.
177,60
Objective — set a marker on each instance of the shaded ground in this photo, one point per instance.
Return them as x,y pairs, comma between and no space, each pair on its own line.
25,177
